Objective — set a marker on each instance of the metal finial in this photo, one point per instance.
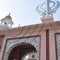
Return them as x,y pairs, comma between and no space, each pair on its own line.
9,14
48,10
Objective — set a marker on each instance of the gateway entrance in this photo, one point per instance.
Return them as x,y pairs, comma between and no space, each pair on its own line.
22,49
22,52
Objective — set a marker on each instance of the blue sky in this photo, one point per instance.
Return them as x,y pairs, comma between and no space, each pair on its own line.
23,12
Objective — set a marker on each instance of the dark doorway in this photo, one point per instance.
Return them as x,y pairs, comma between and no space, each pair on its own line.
19,51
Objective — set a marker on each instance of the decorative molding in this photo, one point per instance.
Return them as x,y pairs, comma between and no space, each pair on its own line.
34,41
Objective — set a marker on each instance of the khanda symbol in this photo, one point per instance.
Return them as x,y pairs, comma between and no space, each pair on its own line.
48,10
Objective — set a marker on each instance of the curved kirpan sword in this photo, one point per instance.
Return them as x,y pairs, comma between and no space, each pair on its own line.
49,10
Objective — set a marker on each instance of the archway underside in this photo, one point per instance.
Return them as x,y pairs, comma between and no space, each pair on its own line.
19,51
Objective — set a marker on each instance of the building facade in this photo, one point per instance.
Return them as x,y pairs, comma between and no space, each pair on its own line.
32,42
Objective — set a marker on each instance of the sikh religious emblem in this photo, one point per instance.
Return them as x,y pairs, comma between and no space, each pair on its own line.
50,8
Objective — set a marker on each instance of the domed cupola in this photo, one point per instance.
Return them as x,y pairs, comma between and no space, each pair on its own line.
7,21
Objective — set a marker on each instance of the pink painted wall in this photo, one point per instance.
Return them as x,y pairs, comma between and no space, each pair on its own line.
52,51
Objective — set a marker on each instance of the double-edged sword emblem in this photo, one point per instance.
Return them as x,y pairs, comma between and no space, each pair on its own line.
50,8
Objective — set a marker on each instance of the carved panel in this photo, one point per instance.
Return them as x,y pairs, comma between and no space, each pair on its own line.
35,41
58,45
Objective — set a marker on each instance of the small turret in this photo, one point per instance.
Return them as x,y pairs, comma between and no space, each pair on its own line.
7,21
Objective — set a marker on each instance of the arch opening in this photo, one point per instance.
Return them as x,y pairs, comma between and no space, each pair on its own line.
18,52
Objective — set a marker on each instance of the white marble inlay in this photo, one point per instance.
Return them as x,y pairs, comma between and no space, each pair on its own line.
35,41
58,45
